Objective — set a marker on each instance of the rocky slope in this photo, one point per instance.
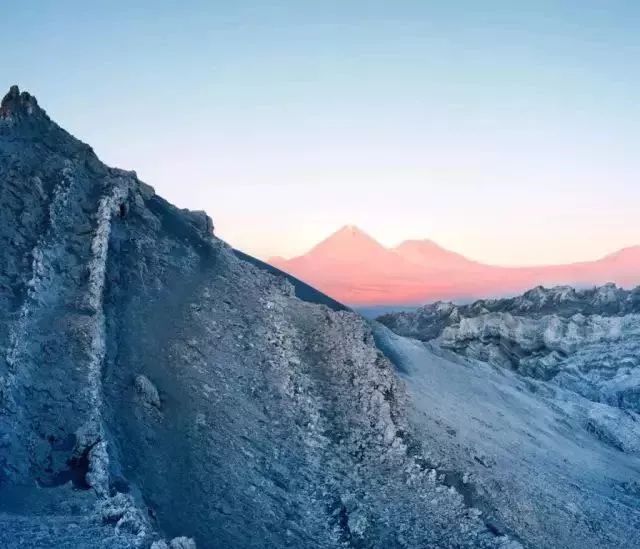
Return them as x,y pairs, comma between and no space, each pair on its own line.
584,340
541,462
159,389
535,399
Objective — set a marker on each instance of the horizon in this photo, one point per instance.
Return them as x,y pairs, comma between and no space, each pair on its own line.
509,136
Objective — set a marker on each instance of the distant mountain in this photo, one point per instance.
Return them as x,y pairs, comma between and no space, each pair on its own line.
355,269
351,264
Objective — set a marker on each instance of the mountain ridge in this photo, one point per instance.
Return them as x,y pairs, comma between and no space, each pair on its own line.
586,340
418,271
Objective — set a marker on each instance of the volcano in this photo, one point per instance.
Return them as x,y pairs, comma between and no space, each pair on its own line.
355,269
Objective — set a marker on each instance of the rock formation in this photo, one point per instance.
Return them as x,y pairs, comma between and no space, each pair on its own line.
584,340
157,387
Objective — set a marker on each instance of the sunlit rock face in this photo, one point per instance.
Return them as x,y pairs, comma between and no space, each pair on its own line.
157,389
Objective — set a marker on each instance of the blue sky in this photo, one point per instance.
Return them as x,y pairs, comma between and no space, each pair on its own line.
507,131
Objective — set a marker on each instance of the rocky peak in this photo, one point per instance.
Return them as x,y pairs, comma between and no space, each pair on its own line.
22,118
17,104
119,316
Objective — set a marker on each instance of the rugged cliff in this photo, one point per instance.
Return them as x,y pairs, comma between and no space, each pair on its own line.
158,388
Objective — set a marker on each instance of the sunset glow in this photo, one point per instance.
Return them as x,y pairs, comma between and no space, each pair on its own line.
510,136
353,268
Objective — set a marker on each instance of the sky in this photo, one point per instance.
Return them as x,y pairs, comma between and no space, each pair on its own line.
506,131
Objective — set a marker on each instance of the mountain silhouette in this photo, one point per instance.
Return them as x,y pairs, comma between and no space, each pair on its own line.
355,269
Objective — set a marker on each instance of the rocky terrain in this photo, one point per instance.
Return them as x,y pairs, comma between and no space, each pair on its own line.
160,389
543,463
584,340
540,396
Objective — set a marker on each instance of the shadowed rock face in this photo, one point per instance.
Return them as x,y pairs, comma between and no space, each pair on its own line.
153,384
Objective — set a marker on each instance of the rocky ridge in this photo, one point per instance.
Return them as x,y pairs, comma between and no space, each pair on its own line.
584,340
157,390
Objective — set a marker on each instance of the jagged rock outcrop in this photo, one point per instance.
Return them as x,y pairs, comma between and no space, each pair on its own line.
156,386
584,340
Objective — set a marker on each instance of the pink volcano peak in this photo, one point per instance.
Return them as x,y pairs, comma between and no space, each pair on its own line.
348,244
350,264
354,268
424,246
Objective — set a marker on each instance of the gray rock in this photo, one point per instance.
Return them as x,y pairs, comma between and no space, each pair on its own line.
175,543
147,391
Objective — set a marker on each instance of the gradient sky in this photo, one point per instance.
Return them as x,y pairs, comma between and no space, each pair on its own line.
507,131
